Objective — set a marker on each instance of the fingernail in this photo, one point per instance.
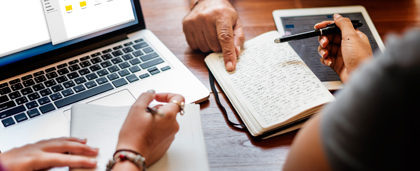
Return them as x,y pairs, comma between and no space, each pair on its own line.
329,63
315,25
151,91
82,139
94,161
322,42
322,53
229,66
337,15
94,148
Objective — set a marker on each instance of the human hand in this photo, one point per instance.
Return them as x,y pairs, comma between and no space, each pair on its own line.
346,51
51,153
150,135
213,25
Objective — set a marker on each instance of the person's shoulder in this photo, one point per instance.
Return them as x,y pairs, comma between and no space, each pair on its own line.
402,52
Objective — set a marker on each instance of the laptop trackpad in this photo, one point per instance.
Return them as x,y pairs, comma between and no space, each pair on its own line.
121,98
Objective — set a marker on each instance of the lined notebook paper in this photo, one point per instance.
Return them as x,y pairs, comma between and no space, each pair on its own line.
271,86
101,126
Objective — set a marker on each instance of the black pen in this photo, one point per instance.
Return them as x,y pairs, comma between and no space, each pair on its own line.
330,29
154,111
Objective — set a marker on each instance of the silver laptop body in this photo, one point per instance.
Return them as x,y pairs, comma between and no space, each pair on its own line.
161,71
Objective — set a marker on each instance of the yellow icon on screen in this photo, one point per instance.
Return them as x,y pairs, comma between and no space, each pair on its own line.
69,7
82,3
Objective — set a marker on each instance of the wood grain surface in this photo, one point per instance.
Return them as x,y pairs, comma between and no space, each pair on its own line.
227,148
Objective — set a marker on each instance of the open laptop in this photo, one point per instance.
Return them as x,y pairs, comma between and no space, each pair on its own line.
55,53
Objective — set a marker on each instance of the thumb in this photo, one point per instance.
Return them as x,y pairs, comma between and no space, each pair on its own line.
145,99
239,36
345,25
226,39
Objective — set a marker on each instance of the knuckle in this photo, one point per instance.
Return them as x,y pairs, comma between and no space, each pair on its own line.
33,160
219,11
65,144
202,16
343,19
228,53
187,22
225,36
137,107
346,19
171,115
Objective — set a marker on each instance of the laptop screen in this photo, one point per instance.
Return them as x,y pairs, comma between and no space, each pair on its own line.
34,27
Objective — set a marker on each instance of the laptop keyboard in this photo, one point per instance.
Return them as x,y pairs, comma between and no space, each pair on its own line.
67,83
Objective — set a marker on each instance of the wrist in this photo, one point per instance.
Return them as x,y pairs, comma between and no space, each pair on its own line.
126,160
139,149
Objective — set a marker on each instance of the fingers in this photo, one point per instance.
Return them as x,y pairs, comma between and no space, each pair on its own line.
330,50
322,24
191,40
239,36
60,160
70,145
210,35
80,140
201,41
144,100
327,61
345,26
227,42
171,109
167,97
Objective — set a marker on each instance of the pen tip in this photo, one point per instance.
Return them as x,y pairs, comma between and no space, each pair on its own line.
276,40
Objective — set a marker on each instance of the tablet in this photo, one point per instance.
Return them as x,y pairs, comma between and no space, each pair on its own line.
294,21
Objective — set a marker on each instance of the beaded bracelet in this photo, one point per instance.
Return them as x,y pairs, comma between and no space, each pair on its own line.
125,154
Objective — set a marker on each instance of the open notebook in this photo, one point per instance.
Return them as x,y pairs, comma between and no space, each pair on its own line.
101,126
272,89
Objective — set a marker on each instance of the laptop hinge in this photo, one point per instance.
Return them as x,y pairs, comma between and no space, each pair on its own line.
85,49
42,63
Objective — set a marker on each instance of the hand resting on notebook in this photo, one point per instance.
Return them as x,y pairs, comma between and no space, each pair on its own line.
213,25
48,154
346,51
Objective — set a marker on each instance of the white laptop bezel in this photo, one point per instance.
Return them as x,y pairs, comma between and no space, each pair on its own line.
277,14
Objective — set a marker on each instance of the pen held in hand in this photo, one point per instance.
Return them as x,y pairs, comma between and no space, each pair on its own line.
154,111
330,29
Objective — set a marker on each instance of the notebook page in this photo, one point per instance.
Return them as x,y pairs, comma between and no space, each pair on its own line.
272,81
101,126
93,122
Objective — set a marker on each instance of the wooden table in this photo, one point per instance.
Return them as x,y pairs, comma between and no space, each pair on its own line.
227,148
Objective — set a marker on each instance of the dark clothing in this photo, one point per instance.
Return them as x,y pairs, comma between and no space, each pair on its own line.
374,124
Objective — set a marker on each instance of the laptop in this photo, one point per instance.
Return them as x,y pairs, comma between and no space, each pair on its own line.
56,53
